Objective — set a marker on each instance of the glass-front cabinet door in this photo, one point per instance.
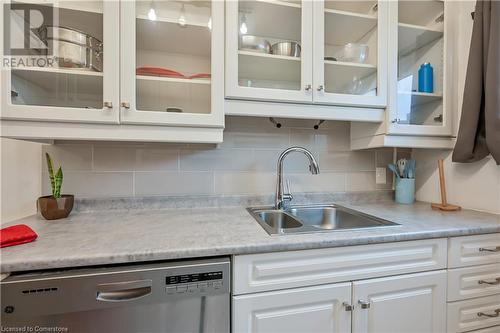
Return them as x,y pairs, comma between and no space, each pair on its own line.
60,61
269,50
172,62
419,82
350,52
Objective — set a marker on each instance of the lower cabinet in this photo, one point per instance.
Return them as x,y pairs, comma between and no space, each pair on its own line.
404,303
311,309
399,304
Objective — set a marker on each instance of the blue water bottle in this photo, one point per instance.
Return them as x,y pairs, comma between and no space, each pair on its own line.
426,78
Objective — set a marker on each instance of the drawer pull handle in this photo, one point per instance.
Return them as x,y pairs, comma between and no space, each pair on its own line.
485,249
364,304
493,283
496,314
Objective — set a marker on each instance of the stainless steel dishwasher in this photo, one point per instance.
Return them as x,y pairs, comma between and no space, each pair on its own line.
187,296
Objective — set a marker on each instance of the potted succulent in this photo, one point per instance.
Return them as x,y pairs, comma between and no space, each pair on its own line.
57,205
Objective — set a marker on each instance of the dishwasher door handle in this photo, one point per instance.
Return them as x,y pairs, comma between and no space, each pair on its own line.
123,291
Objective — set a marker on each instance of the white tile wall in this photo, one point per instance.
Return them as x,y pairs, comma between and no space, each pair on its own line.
245,163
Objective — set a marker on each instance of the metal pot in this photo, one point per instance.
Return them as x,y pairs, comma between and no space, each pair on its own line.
286,48
255,44
72,48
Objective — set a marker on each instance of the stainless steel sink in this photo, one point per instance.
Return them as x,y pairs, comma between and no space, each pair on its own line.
314,218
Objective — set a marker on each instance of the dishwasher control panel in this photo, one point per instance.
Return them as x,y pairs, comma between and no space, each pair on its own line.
194,283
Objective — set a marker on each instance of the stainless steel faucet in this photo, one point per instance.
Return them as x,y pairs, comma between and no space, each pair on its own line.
282,198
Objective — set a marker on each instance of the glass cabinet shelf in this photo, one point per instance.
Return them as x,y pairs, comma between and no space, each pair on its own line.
173,56
350,47
420,63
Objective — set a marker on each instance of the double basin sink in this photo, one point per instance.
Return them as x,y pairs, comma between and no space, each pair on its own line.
314,218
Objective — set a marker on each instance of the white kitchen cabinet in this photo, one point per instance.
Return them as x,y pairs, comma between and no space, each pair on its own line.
312,309
420,32
293,291
35,91
323,79
161,79
405,303
343,78
192,49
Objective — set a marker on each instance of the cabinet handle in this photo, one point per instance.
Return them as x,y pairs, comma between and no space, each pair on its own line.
108,105
126,105
347,306
321,88
395,120
364,304
484,249
308,87
493,283
494,315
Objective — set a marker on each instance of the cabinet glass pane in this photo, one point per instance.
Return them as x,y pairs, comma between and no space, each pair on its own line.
269,38
173,56
350,56
68,48
420,63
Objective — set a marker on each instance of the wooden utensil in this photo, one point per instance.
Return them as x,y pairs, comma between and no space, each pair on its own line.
444,205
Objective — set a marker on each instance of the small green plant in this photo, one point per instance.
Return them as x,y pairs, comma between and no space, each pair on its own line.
55,179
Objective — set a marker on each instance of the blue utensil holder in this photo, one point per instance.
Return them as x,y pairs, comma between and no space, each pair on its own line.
426,78
405,190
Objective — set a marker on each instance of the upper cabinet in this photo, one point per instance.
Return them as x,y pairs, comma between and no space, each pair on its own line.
172,62
350,52
420,72
321,52
138,70
269,50
74,75
421,95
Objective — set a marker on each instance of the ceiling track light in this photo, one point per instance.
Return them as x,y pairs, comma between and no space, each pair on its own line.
243,26
182,17
152,12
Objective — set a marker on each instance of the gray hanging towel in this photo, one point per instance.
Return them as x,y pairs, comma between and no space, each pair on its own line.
479,132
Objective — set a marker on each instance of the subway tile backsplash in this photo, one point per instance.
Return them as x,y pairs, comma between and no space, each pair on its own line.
245,163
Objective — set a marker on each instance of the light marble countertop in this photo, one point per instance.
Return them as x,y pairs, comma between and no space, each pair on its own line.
121,236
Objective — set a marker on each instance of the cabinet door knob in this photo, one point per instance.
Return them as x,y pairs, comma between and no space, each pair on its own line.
126,105
321,88
347,306
308,87
364,304
108,105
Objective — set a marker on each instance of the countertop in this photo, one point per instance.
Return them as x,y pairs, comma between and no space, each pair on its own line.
121,236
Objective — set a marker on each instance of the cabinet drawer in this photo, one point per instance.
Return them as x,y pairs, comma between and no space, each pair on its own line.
281,270
476,281
473,250
464,316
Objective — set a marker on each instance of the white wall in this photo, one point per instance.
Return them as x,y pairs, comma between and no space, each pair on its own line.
20,179
474,185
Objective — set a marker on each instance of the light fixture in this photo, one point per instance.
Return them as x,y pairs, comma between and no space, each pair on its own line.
243,26
152,12
182,17
209,24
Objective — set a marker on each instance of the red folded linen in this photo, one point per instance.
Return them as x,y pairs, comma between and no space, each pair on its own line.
159,71
16,234
200,76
